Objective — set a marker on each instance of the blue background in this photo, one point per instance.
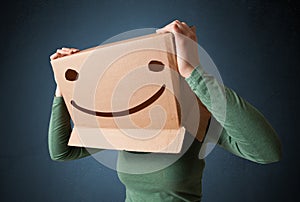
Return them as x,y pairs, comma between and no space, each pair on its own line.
254,44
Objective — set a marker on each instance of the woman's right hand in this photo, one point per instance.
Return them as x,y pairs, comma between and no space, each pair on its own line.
58,54
63,52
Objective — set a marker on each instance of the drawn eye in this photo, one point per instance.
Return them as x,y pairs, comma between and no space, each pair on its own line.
71,75
156,66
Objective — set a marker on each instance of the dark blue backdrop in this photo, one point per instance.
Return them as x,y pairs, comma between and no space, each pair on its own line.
253,43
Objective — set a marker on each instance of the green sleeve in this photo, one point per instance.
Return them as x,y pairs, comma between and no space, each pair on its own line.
246,132
59,134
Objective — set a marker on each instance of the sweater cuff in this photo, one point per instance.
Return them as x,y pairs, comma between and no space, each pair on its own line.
193,79
58,100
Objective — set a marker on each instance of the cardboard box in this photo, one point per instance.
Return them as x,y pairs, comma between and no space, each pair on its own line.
128,96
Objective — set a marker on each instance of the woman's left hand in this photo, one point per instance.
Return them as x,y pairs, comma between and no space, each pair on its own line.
186,46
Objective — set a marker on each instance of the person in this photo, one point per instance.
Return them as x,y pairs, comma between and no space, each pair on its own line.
246,133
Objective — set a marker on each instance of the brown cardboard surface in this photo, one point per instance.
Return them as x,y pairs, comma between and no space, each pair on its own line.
120,96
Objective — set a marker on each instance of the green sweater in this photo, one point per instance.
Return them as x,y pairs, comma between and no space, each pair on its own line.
246,133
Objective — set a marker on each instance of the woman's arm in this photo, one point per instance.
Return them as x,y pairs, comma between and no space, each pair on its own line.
59,134
246,132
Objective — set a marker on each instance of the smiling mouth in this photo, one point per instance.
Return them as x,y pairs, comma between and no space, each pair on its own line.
126,112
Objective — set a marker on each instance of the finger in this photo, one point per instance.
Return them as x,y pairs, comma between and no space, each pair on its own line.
185,25
182,28
66,49
54,56
173,27
64,52
168,28
172,23
175,22
189,29
74,50
70,49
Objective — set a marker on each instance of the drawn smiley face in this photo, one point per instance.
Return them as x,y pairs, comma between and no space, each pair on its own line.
154,66
125,94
